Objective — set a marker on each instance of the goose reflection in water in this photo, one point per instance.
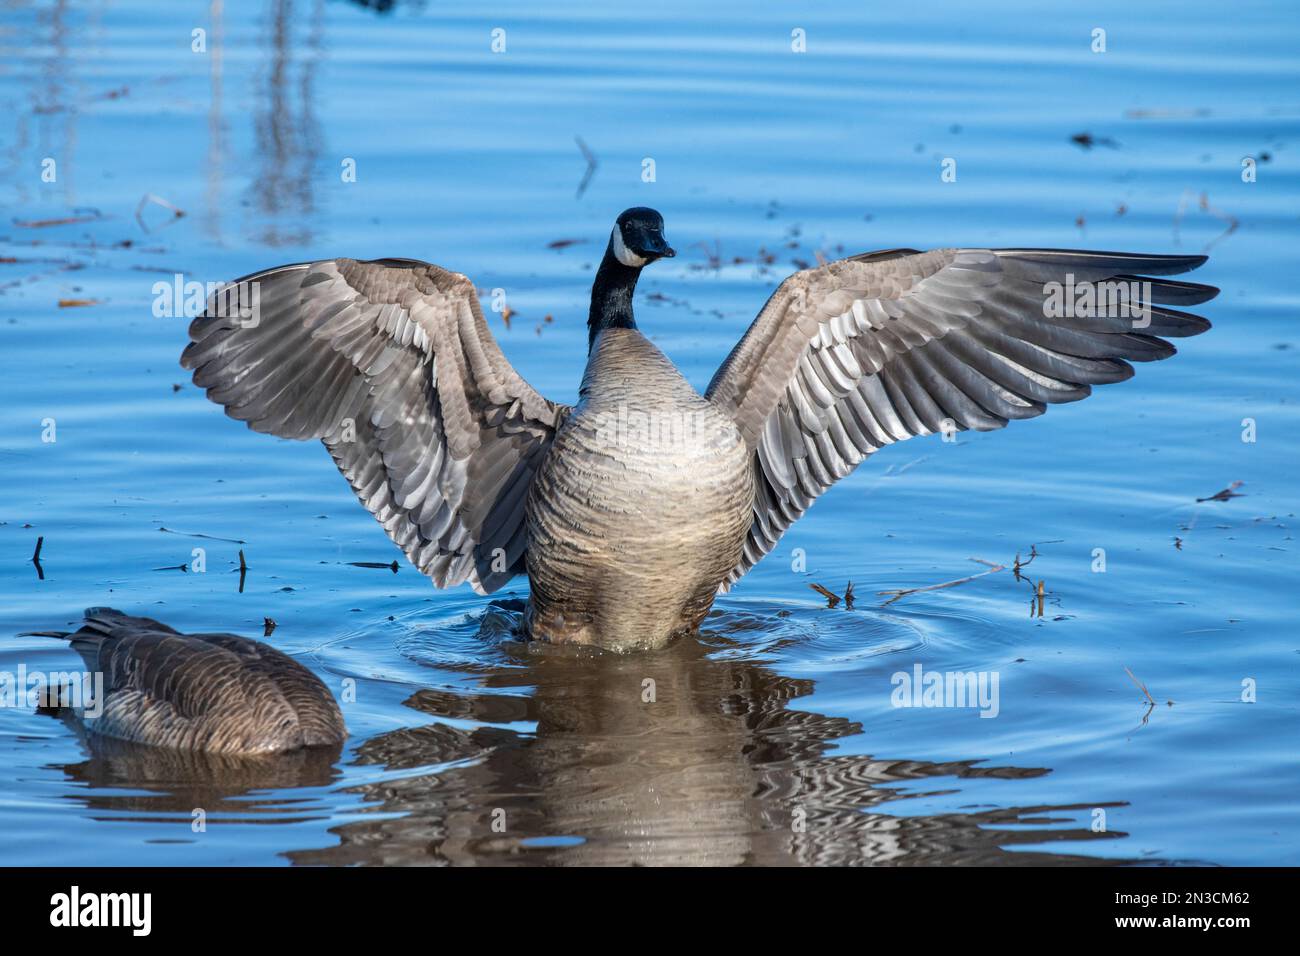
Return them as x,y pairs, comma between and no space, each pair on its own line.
720,769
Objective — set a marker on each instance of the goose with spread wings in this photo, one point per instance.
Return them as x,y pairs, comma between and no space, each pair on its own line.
630,511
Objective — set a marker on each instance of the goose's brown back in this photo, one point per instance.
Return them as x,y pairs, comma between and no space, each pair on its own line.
217,693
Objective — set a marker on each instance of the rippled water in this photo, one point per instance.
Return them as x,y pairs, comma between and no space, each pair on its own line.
772,738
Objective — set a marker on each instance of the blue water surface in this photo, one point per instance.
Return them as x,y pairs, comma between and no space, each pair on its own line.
769,137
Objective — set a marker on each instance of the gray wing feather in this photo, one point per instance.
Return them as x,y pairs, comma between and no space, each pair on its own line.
866,351
391,365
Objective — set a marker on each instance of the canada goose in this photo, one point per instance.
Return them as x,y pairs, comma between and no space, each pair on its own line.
216,693
631,510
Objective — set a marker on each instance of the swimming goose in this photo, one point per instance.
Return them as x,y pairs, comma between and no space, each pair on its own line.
630,511
215,693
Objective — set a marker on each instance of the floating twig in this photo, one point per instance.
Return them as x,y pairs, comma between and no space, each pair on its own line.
904,592
714,255
375,564
268,625
1224,494
592,163
849,597
63,221
832,599
1033,553
1086,140
36,558
150,198
1151,700
1203,203
243,570
210,537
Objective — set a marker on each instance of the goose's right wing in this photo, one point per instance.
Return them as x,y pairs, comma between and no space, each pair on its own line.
391,365
878,348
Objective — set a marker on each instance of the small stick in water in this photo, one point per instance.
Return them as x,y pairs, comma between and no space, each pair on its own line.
1225,493
1150,699
394,567
832,599
195,534
903,592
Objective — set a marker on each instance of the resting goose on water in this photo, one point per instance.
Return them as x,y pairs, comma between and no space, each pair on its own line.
630,511
215,693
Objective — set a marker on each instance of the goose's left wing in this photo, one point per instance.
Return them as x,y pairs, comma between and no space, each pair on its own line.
877,348
391,365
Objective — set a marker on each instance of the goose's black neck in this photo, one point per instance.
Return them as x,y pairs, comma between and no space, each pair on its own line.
611,296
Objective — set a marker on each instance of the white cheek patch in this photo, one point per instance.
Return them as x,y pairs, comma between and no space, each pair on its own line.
622,253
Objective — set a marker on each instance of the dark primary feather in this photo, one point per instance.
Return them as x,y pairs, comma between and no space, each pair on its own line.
391,365
218,693
877,348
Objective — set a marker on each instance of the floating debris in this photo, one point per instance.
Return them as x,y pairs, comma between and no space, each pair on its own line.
51,108
14,260
36,558
149,199
564,243
1033,553
1203,203
91,216
1086,140
268,625
713,257
832,599
375,564
1225,494
904,592
660,298
592,163
848,597
1198,113
1151,700
1039,593
77,303
210,537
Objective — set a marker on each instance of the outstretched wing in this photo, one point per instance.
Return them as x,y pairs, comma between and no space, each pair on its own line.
391,365
874,349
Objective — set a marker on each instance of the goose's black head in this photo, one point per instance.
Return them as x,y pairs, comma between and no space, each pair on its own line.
636,241
638,237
